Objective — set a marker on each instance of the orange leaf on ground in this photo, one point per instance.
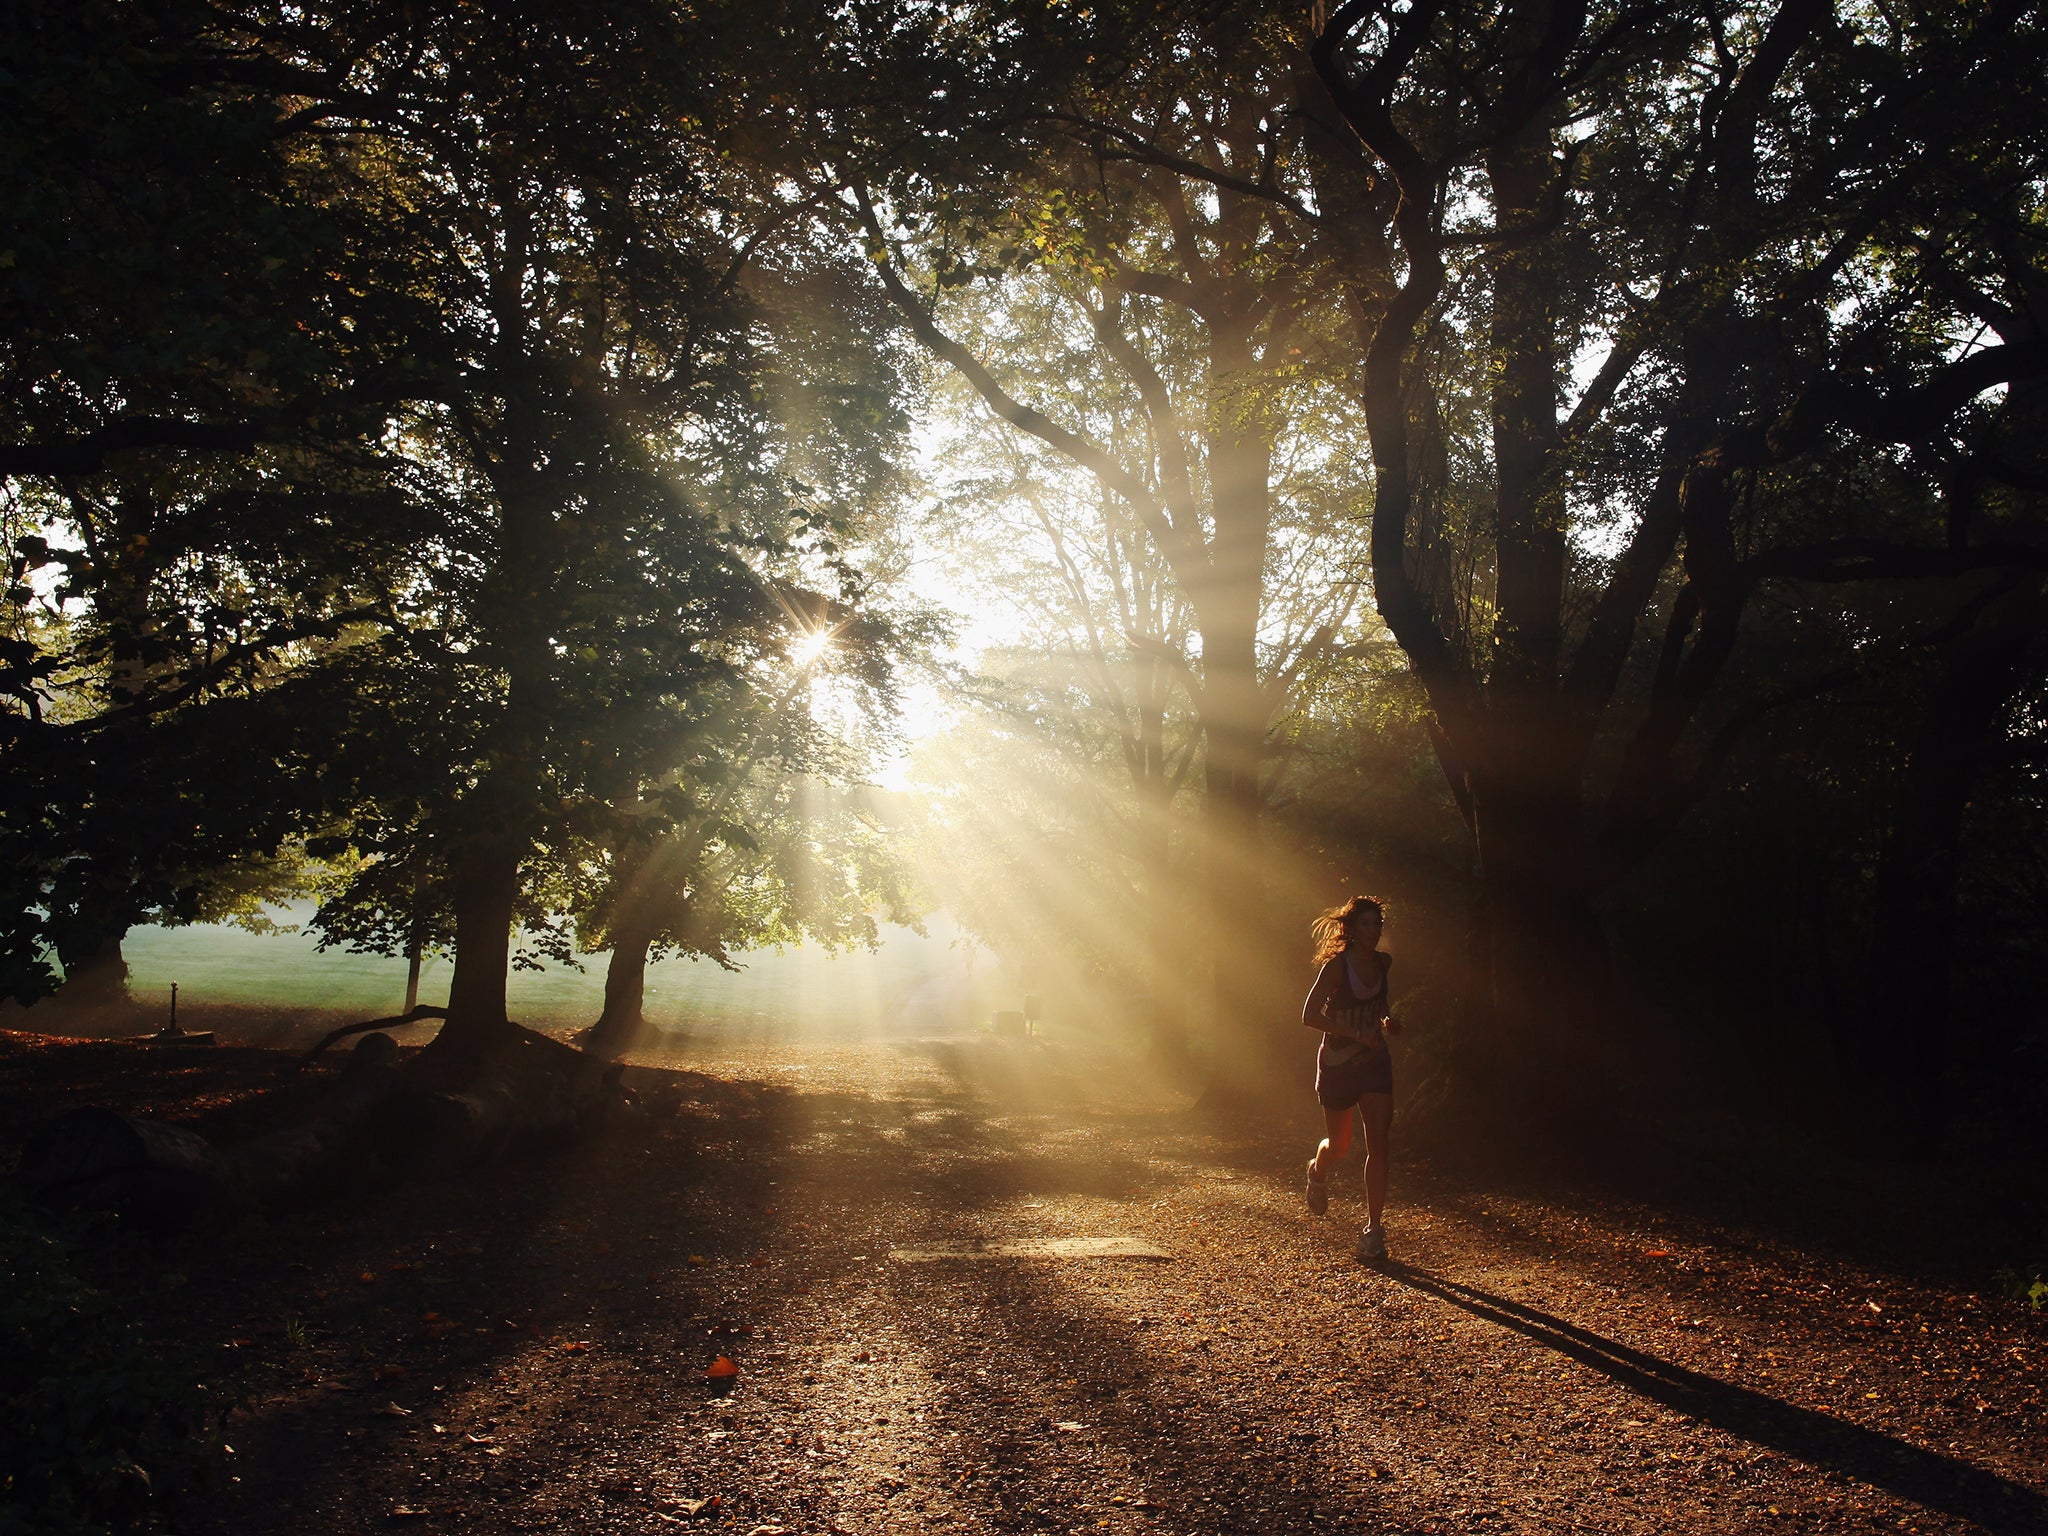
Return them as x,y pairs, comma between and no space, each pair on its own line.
575,1347
722,1369
1656,1253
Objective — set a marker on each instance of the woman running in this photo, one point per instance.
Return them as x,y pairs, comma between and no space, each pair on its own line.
1349,1003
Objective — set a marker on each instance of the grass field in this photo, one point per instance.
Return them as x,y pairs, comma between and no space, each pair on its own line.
913,982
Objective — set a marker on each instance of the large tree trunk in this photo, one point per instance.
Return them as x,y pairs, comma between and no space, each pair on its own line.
1893,1047
1164,924
1549,983
622,1026
95,974
1234,708
649,899
1547,961
486,892
1549,964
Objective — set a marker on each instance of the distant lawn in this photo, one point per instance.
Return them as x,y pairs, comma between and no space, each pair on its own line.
913,982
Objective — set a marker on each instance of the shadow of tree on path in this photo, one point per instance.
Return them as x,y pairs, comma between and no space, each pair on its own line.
1883,1461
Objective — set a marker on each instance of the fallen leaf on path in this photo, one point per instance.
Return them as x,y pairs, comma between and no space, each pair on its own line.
393,1411
575,1347
722,1369
696,1258
1656,1253
406,1512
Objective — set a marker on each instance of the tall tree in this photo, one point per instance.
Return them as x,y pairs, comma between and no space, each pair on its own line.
759,831
1152,323
199,504
582,384
1709,259
528,288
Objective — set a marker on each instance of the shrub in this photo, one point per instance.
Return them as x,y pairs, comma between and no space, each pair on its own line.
2029,1284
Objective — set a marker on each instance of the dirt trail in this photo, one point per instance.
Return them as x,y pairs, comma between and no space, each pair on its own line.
525,1350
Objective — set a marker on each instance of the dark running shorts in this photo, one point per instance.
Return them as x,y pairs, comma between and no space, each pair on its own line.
1343,1084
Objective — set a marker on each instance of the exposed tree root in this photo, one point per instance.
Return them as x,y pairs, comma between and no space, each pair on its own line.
424,1011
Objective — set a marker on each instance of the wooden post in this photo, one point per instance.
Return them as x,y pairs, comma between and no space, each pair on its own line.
172,1034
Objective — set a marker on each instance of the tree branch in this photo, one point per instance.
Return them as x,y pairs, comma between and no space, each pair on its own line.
1161,418
1091,456
87,452
1143,151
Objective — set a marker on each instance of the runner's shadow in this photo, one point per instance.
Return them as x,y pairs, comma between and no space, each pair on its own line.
1883,1461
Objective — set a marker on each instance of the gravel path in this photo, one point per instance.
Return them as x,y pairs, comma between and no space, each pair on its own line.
526,1350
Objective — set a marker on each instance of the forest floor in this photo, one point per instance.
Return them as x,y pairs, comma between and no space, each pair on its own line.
524,1347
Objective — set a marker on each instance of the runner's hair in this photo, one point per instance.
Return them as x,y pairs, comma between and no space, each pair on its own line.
1331,930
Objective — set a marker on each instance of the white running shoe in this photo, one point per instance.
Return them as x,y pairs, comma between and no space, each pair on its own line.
1372,1245
1316,1191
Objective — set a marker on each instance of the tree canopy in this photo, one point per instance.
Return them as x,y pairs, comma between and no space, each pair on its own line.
1503,451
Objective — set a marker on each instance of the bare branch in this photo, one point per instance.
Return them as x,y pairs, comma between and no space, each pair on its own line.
1089,455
